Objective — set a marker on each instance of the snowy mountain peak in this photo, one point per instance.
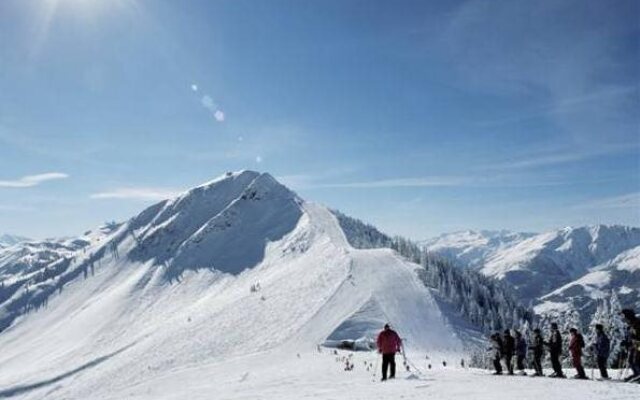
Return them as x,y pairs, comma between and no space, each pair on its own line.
224,224
238,266
242,175
7,240
471,248
537,264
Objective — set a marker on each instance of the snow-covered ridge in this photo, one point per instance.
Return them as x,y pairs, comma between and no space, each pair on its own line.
472,248
621,274
7,240
541,264
234,267
224,224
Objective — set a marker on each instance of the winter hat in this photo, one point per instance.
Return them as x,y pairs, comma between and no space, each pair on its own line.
386,326
507,332
599,327
554,325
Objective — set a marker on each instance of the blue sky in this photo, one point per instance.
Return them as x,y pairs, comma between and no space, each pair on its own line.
420,117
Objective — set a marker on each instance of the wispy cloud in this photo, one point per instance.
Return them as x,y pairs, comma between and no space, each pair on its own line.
402,182
15,208
630,200
539,161
309,182
137,193
562,156
494,180
585,93
563,105
32,180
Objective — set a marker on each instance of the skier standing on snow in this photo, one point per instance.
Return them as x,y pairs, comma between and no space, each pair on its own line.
509,347
389,343
521,353
496,347
576,343
538,351
602,348
632,342
555,350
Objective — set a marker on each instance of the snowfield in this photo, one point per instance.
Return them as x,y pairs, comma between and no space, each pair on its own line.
283,374
229,291
131,310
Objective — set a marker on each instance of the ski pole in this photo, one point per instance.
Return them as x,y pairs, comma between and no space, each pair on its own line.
622,372
412,365
375,370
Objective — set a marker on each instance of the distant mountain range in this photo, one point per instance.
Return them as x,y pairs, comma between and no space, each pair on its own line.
7,240
553,269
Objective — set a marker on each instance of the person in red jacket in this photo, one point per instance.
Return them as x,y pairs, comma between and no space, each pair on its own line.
576,343
389,344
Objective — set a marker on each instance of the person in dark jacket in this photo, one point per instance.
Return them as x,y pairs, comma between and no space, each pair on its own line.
576,343
555,351
389,343
521,353
602,348
497,348
509,348
538,351
632,342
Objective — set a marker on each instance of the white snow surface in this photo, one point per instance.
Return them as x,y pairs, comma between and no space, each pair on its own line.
281,374
472,248
7,240
621,274
154,320
536,265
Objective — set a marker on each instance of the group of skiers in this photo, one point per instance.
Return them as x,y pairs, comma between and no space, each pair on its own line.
505,347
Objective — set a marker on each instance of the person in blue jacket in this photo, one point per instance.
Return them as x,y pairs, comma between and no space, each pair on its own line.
521,353
601,349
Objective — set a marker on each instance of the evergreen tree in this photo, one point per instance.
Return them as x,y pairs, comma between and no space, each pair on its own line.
617,328
599,317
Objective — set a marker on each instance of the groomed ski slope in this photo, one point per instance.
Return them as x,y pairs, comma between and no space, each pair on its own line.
280,374
127,327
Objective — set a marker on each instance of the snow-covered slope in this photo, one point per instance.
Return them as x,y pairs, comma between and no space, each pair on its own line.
535,265
473,248
237,266
621,274
7,240
31,270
